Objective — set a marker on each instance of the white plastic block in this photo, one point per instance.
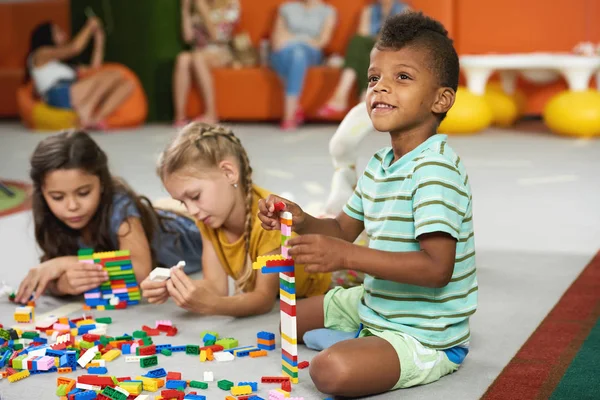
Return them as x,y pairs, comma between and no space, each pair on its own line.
85,386
160,274
142,397
286,215
132,359
289,279
289,347
114,301
87,357
208,376
288,325
291,302
120,389
223,356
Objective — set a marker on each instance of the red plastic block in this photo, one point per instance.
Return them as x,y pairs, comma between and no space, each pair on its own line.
274,379
60,346
280,263
96,380
288,355
148,350
290,274
288,308
100,396
150,331
172,394
164,328
10,371
245,397
287,386
172,331
215,348
280,206
90,337
173,376
124,378
303,364
121,306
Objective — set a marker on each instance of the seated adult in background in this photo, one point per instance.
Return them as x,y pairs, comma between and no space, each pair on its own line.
60,83
301,31
356,60
207,25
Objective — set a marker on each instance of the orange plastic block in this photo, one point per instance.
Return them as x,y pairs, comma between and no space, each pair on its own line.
209,355
265,342
65,370
259,353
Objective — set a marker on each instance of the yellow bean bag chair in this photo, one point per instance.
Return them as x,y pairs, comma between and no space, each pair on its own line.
37,115
469,114
574,113
506,108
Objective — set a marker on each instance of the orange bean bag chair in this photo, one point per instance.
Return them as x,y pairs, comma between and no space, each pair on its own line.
37,115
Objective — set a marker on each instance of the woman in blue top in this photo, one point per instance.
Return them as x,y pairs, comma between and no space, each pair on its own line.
302,30
77,203
356,61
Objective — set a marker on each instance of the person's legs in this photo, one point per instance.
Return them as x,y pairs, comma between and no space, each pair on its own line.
204,79
356,367
302,57
87,93
182,75
113,99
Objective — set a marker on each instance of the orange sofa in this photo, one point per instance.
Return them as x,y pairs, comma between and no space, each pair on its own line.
257,93
17,21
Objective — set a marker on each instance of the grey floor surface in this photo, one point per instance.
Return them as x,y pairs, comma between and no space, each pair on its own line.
536,216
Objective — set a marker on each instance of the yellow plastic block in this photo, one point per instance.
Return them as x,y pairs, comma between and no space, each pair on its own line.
18,376
101,308
104,254
261,261
287,295
132,387
202,355
111,354
288,366
285,394
150,384
86,322
241,390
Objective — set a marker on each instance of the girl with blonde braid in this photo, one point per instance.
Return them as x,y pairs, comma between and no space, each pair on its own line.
207,169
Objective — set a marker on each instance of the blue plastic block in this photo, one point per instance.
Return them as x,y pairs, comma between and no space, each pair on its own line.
253,385
265,347
175,349
72,324
87,395
175,384
74,391
289,360
265,335
255,398
160,347
97,370
55,353
208,337
126,349
83,329
156,373
273,270
194,397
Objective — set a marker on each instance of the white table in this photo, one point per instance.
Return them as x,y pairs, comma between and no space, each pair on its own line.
577,69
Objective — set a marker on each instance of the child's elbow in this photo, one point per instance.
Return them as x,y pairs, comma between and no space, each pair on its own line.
442,278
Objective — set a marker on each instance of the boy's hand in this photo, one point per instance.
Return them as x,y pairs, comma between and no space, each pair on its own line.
156,292
319,253
80,278
269,210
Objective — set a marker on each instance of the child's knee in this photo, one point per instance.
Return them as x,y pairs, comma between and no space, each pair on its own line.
330,372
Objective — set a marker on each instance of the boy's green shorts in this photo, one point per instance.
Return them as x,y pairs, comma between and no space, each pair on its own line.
419,365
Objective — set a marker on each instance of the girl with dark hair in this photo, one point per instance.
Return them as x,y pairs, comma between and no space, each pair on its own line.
78,204
58,82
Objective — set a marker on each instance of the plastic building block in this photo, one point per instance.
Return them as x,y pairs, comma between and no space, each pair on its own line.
225,384
274,379
173,376
258,353
208,337
198,385
149,361
223,356
208,376
18,376
253,385
303,364
211,333
111,354
190,396
240,390
166,352
287,386
140,334
265,335
172,394
176,384
156,373
146,350
160,274
97,370
192,349
142,397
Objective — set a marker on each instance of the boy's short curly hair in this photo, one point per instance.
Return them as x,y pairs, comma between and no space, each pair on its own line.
420,31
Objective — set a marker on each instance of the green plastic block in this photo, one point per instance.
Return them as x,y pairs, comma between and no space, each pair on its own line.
85,344
147,341
124,337
61,390
85,252
290,373
30,335
115,380
227,343
225,384
192,349
122,253
139,334
18,346
198,385
149,361
104,320
203,333
166,352
117,263
209,342
113,394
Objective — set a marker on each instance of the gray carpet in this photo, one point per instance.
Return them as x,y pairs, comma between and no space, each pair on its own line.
535,210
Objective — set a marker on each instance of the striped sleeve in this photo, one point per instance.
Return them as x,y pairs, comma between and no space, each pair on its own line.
354,206
440,199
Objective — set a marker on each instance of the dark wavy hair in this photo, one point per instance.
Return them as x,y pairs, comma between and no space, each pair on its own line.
77,150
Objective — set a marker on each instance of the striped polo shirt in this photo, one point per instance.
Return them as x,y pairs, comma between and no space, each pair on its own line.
426,190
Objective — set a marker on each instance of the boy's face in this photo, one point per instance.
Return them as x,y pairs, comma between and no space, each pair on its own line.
403,92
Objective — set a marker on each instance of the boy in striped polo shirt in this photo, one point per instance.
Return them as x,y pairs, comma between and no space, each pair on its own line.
411,316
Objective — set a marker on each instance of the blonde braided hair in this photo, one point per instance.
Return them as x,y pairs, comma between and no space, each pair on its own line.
206,145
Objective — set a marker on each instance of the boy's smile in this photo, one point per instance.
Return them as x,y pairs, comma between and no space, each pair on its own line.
402,89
